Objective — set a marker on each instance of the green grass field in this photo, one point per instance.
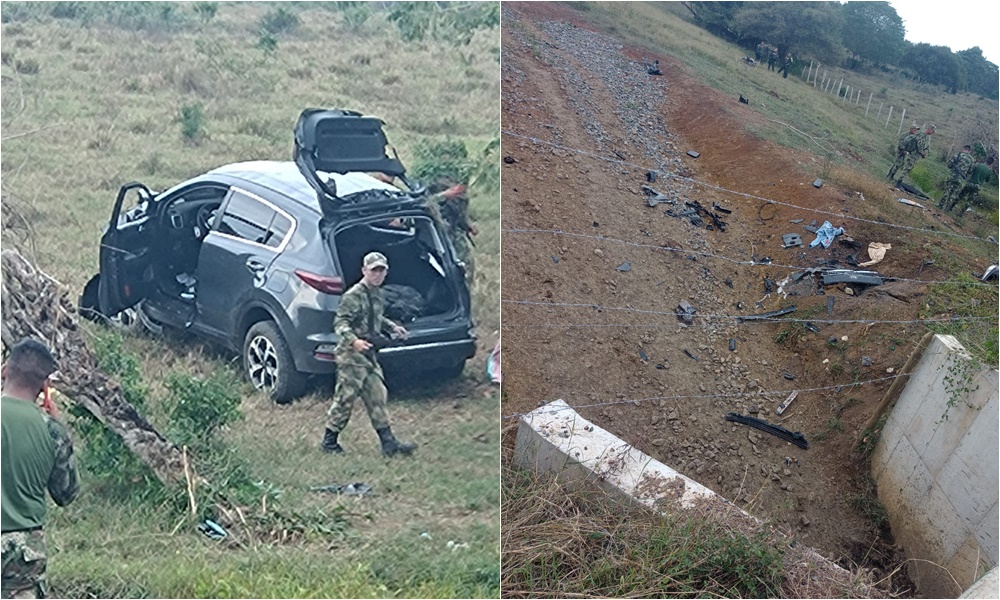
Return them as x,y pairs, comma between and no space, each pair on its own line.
94,96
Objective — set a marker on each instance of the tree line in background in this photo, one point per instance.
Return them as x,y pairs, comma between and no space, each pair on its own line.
860,36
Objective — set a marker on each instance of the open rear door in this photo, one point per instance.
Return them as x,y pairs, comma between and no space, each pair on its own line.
340,141
126,251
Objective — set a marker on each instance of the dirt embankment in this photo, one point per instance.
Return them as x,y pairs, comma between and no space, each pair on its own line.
620,355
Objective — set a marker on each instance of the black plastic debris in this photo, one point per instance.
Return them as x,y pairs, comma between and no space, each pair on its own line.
810,228
829,305
685,312
716,206
791,240
619,155
768,315
788,376
693,154
596,224
651,176
661,366
509,159
796,221
991,273
654,197
834,276
729,282
818,183
555,259
732,344
866,361
811,327
794,437
642,355
744,100
768,285
624,267
688,352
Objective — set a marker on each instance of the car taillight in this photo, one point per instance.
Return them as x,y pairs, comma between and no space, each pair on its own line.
323,283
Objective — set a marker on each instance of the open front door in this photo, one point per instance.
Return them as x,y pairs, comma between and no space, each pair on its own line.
126,250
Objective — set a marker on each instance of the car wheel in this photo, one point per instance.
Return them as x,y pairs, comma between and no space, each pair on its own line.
268,363
88,307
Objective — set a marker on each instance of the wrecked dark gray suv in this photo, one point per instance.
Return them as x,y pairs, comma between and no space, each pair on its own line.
255,255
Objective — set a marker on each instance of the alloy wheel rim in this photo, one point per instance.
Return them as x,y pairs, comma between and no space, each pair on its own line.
262,363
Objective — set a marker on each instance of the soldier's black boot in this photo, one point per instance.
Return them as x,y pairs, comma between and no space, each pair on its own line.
330,443
391,446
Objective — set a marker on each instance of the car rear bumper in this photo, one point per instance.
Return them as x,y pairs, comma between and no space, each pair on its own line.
413,357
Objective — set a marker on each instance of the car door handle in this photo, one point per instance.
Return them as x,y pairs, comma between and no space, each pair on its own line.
255,265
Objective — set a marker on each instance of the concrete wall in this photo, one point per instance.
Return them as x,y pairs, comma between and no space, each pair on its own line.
937,476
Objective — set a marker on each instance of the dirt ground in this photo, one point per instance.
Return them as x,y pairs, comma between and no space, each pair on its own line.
567,84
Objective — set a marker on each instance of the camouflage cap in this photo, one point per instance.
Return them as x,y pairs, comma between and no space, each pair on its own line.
914,125
932,127
375,259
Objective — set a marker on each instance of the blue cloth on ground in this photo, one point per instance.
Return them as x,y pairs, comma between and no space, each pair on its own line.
825,235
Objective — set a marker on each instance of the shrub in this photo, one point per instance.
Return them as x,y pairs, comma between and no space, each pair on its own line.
197,407
192,120
206,11
279,20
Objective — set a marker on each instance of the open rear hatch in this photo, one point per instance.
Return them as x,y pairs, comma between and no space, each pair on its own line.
335,141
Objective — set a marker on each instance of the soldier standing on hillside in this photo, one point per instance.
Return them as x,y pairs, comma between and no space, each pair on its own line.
785,65
37,456
906,154
961,167
924,140
772,57
450,205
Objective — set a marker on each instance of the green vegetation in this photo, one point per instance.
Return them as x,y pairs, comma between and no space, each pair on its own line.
563,542
184,88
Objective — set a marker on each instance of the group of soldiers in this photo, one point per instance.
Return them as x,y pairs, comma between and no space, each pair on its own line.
966,177
765,51
965,180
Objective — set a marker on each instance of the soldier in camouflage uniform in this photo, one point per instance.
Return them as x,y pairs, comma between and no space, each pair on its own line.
450,206
360,325
961,167
980,174
772,57
906,155
37,454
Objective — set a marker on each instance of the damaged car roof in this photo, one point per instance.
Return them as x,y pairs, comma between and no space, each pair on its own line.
284,177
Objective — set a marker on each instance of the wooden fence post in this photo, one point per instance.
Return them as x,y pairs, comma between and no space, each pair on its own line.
869,103
879,115
902,118
889,116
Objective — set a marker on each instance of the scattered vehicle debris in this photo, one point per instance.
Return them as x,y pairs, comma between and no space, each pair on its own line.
653,68
818,183
915,191
510,159
685,312
796,221
789,376
829,305
688,352
732,344
693,154
729,282
811,326
625,267
825,235
768,315
866,361
742,99
212,529
991,273
661,366
911,203
654,197
642,355
555,259
716,206
791,240
768,285
791,397
793,437
834,276
651,176
876,250
619,155
351,489
596,224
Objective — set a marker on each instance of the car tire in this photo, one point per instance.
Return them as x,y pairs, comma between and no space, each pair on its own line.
268,364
